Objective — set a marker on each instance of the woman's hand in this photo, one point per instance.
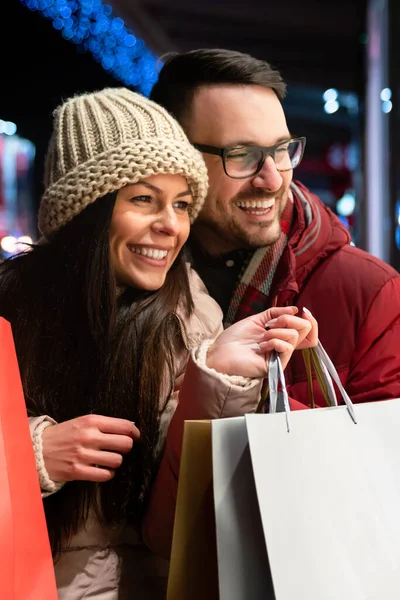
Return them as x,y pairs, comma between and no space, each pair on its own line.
87,448
244,347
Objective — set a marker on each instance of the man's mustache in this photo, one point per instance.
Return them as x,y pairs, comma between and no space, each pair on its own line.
255,194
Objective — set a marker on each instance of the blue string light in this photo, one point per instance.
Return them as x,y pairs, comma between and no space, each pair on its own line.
91,25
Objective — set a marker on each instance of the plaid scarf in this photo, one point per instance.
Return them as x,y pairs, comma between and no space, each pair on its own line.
252,291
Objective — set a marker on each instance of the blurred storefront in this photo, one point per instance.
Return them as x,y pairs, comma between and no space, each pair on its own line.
17,207
352,123
332,164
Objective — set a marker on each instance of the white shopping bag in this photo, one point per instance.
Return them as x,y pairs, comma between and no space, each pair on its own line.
243,569
328,488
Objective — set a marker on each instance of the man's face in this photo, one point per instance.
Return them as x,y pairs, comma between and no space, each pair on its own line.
239,213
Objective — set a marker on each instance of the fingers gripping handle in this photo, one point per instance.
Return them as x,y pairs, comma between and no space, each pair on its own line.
276,377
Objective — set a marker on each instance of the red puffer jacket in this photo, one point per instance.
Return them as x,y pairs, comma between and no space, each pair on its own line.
355,299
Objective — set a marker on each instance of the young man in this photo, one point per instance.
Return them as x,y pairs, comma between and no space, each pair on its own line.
263,239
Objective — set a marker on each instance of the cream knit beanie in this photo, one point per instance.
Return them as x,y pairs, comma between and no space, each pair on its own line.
106,140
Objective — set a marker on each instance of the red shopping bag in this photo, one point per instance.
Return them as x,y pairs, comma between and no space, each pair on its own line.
26,566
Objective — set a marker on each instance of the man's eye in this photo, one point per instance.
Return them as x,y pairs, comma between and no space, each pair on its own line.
239,154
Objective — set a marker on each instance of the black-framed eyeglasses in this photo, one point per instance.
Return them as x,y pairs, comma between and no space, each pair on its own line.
246,161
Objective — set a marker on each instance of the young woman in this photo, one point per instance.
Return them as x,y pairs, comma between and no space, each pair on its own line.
105,313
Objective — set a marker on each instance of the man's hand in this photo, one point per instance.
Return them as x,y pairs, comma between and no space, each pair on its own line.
87,448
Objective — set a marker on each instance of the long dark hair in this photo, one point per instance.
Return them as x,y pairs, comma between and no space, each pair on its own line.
83,349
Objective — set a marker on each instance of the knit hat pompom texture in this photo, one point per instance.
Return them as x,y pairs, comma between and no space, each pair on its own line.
105,140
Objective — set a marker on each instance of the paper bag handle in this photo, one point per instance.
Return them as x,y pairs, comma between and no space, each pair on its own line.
276,376
329,372
324,379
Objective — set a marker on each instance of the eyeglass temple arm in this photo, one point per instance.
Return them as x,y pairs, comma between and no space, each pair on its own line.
209,149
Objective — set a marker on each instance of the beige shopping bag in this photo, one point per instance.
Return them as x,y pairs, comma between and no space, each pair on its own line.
193,566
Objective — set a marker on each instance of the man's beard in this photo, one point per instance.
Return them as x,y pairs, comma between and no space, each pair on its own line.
235,234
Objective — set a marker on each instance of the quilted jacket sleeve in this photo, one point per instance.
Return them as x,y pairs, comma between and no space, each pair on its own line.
204,394
36,426
375,369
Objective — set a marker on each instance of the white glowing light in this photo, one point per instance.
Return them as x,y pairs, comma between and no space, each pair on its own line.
330,95
387,106
8,127
25,239
12,245
8,244
386,94
346,205
331,106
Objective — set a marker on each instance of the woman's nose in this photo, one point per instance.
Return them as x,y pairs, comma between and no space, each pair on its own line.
167,222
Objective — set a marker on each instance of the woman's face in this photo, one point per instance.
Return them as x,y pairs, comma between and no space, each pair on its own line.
149,225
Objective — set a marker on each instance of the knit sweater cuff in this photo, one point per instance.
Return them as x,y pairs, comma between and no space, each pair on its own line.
47,485
201,359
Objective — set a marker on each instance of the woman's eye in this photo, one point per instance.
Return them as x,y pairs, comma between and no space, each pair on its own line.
182,205
141,199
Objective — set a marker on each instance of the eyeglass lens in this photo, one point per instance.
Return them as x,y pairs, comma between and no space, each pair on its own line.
247,159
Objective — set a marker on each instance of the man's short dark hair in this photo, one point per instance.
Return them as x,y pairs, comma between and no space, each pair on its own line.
182,74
